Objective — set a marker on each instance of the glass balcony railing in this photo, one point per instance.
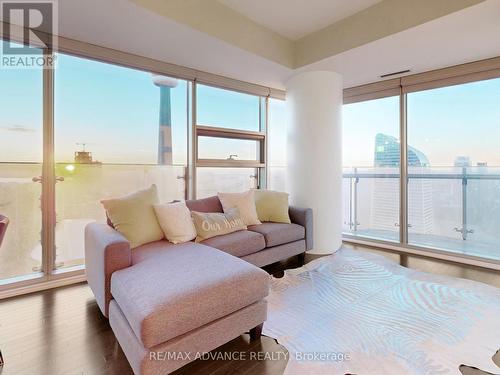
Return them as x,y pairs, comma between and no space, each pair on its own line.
455,209
210,181
79,189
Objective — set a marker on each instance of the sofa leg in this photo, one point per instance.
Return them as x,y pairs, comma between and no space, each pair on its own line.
302,258
256,333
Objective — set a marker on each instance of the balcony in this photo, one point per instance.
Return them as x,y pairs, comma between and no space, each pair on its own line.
455,209
79,189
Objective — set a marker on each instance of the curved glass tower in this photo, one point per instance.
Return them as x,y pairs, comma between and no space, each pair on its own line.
385,196
387,153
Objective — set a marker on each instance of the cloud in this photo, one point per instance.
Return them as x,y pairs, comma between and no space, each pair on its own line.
18,129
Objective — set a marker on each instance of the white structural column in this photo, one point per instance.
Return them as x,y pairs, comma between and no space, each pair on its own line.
314,153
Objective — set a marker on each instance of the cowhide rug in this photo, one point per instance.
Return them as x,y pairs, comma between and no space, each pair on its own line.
359,313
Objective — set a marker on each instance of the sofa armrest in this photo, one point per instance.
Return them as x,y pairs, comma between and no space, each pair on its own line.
106,251
304,217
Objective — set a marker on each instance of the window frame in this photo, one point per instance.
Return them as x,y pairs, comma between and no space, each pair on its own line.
203,130
49,277
212,132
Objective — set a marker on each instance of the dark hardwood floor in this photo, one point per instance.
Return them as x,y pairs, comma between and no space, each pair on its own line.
62,331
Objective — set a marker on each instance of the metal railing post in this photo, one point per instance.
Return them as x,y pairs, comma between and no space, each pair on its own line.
355,198
464,203
464,230
350,203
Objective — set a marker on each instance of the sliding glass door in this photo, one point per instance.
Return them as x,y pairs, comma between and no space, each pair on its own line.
21,144
371,159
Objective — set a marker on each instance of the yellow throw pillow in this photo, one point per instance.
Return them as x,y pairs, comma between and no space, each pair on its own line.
272,206
217,223
244,202
134,216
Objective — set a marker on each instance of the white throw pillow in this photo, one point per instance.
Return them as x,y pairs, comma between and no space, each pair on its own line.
175,221
244,202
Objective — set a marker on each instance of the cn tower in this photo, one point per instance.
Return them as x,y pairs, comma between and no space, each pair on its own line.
165,124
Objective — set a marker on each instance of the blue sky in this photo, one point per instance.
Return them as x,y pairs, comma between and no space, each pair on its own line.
20,115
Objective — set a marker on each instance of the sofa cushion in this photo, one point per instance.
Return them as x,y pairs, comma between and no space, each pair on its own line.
210,204
149,250
244,202
175,221
272,206
133,216
211,224
184,287
278,233
276,253
239,243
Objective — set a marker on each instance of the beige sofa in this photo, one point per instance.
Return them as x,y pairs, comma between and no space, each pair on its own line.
164,299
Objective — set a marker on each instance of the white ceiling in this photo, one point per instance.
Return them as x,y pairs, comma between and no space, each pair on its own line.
464,36
122,25
296,18
467,35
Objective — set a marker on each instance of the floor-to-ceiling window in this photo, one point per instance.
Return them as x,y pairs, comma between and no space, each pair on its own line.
371,161
96,127
451,178
230,141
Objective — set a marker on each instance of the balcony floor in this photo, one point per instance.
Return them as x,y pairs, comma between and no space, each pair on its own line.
468,247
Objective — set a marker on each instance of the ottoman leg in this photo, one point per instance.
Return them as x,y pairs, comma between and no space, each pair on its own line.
256,332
